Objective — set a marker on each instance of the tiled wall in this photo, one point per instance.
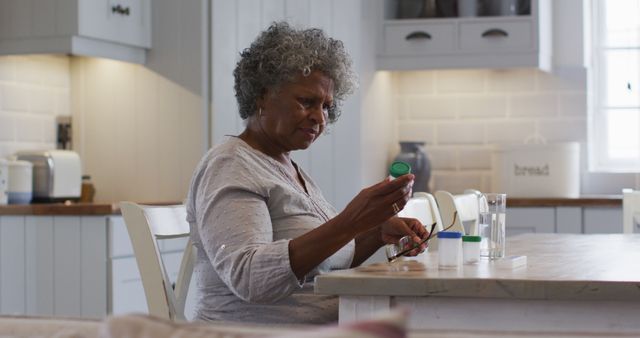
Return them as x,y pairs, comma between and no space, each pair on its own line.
33,91
460,114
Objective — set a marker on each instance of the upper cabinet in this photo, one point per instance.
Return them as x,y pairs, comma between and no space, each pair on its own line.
432,34
117,29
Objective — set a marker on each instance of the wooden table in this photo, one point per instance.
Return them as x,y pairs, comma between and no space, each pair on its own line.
572,283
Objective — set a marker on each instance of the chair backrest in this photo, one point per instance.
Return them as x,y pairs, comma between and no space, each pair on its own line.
423,207
630,211
466,205
146,225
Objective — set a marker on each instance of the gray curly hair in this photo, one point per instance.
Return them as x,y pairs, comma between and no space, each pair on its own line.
282,52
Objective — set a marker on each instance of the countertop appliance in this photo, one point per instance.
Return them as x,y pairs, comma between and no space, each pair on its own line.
57,174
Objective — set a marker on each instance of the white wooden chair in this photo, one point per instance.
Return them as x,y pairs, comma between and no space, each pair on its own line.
146,225
465,204
630,211
423,207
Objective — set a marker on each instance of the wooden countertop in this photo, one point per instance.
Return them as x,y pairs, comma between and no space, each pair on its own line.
582,201
67,209
113,208
559,267
58,209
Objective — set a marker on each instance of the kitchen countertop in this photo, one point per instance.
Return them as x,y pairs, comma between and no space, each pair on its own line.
113,208
582,201
67,209
559,267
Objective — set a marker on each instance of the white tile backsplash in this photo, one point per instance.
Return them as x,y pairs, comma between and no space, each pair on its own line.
482,105
564,130
29,128
7,129
42,100
417,131
573,104
476,158
537,105
511,80
427,107
419,82
15,97
460,81
33,91
461,114
510,131
442,158
461,132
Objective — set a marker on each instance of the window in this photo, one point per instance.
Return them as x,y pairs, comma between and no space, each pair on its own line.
614,86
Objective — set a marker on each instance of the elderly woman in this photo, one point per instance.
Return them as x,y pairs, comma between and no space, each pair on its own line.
262,228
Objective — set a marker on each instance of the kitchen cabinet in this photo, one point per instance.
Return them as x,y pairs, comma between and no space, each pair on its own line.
53,265
562,219
75,266
118,29
469,42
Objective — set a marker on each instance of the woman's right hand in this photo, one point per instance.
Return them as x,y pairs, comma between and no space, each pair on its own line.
375,204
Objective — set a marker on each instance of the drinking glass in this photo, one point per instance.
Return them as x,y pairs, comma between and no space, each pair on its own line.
491,225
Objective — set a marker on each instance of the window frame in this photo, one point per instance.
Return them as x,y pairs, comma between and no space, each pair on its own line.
597,127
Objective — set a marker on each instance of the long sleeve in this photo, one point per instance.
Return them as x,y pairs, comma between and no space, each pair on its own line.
242,250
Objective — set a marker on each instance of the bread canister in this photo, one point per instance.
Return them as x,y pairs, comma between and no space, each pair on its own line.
4,180
20,187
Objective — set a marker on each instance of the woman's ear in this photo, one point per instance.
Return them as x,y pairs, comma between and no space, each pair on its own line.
260,105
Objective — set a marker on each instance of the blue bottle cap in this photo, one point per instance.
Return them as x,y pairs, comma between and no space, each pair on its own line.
449,234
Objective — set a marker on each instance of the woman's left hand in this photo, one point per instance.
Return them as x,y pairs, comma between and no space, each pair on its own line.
398,227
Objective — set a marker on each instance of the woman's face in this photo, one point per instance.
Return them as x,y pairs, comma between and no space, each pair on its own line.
295,114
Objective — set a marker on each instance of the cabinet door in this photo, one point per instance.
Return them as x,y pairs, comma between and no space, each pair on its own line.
602,220
122,21
120,243
530,220
127,292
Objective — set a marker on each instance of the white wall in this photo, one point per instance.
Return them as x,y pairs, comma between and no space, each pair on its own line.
33,91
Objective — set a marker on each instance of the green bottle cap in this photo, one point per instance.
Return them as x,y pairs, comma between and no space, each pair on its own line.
471,238
399,168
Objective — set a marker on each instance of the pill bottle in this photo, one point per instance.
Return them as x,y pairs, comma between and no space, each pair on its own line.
399,168
471,249
449,249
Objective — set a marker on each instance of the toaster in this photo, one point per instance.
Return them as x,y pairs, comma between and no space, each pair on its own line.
57,174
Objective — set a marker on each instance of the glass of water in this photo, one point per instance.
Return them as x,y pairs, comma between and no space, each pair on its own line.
491,225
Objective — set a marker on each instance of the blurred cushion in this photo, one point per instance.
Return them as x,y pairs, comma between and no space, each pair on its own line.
391,325
35,326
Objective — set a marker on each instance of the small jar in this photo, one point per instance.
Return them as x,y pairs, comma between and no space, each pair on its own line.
399,168
471,249
88,191
449,249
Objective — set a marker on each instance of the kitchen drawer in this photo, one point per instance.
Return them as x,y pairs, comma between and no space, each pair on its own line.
123,21
497,36
419,39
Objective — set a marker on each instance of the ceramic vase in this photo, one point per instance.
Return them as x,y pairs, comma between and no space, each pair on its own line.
414,154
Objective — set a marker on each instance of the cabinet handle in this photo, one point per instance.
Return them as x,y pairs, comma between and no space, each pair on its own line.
495,32
120,10
418,35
